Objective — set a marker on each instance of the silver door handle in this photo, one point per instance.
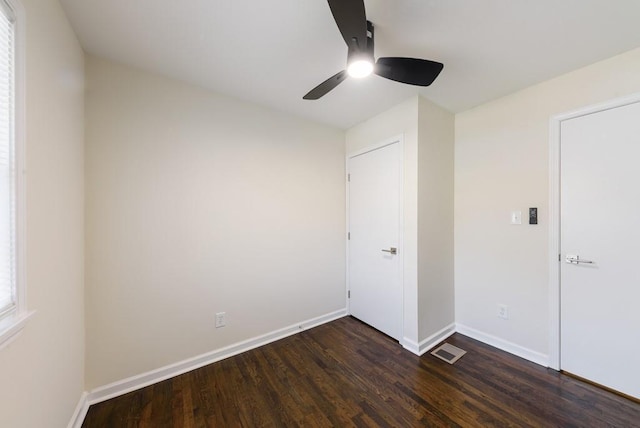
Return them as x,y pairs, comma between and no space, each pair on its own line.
392,250
575,259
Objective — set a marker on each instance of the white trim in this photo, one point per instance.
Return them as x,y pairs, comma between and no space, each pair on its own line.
401,247
505,345
410,345
133,383
347,234
554,244
430,342
15,325
555,124
80,413
384,143
398,139
21,157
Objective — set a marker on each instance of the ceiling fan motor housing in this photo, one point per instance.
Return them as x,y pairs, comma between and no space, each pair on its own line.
362,53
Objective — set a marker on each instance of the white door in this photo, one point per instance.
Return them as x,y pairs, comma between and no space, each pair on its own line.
374,227
600,248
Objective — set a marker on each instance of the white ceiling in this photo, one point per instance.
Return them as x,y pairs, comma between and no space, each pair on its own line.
272,52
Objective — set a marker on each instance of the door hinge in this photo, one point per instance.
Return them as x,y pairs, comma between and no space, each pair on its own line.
559,257
348,294
349,236
349,177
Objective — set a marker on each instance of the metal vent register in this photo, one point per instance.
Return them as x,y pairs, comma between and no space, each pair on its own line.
448,353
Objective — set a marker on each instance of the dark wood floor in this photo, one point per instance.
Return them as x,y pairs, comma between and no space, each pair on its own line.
346,374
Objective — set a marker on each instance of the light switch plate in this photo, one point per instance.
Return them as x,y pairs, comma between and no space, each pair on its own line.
516,217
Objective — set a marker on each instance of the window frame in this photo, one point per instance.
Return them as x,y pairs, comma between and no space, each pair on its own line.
12,323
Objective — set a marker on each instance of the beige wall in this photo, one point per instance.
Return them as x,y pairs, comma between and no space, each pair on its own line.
435,218
501,165
196,204
42,370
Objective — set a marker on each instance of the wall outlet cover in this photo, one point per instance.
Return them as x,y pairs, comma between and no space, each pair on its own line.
220,319
503,312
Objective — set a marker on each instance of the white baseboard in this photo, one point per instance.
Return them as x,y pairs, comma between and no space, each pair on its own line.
429,342
133,383
80,412
410,346
505,345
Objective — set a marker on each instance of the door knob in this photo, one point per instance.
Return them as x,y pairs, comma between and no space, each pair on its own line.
575,259
392,250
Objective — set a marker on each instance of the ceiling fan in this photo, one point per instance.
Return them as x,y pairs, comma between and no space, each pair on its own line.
357,32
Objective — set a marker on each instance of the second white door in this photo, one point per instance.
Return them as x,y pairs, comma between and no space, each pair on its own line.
374,226
600,247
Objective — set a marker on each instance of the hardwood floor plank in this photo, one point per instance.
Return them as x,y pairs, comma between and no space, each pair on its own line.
182,405
346,374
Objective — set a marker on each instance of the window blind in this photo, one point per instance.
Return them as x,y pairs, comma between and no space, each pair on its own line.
7,156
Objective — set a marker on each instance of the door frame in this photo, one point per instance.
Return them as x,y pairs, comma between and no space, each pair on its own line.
555,137
399,139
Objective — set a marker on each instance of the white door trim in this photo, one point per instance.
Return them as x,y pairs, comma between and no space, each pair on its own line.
554,215
399,139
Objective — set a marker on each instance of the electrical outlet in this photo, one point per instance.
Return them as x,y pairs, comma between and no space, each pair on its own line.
503,312
220,319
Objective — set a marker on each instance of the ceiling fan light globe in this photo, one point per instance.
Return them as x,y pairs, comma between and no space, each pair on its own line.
360,68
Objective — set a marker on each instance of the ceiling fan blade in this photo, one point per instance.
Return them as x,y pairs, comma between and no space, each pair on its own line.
326,86
420,72
351,19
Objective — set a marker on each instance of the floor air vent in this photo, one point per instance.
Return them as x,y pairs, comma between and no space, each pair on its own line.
448,353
